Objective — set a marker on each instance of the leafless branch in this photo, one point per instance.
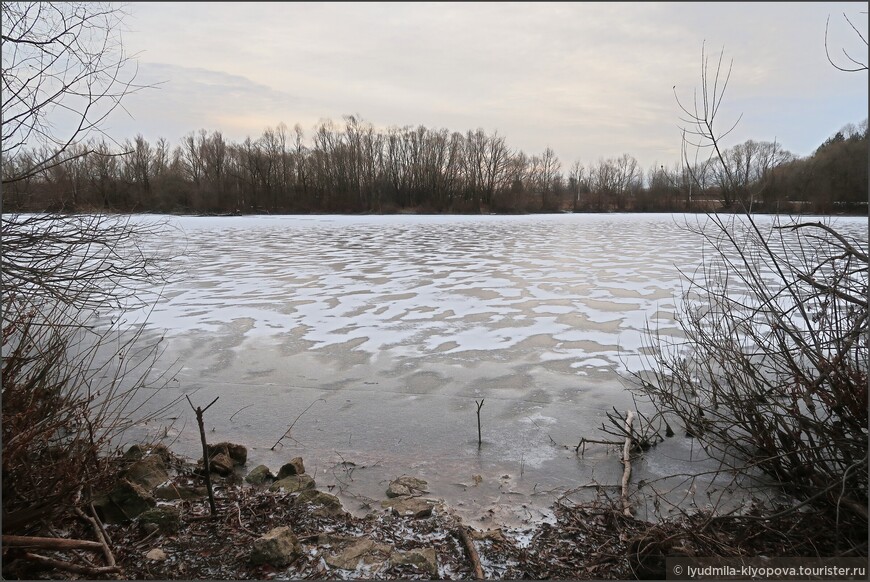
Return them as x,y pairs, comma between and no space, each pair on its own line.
857,65
64,72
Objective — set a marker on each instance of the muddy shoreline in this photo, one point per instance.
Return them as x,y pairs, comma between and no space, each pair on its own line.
407,533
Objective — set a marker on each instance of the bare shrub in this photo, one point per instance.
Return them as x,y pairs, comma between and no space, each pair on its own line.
75,373
771,374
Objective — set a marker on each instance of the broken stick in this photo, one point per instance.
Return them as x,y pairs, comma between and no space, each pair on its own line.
205,458
69,567
626,460
51,543
471,551
94,521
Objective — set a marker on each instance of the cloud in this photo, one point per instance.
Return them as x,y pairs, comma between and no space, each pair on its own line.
588,79
182,99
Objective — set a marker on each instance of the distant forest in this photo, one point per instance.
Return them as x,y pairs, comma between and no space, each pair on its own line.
354,168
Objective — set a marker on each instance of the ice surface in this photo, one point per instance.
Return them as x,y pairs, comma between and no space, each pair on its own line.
486,283
400,322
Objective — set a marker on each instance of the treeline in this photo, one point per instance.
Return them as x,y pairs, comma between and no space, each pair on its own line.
353,167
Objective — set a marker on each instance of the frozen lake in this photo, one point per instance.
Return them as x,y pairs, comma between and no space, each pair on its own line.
390,327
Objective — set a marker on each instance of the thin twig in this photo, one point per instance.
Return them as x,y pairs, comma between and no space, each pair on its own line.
239,410
294,423
584,441
239,516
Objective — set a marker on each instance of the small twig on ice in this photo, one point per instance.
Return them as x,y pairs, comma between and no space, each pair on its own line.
584,441
292,424
239,410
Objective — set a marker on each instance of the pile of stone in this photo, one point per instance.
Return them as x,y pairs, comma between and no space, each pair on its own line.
405,498
279,546
152,474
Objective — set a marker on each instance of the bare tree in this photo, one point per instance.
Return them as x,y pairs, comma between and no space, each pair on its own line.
190,153
214,155
64,72
138,168
615,179
300,162
270,149
576,184
549,180
105,171
662,188
474,167
701,131
629,180
746,170
495,178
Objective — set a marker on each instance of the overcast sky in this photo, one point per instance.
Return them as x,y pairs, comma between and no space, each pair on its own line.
590,80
